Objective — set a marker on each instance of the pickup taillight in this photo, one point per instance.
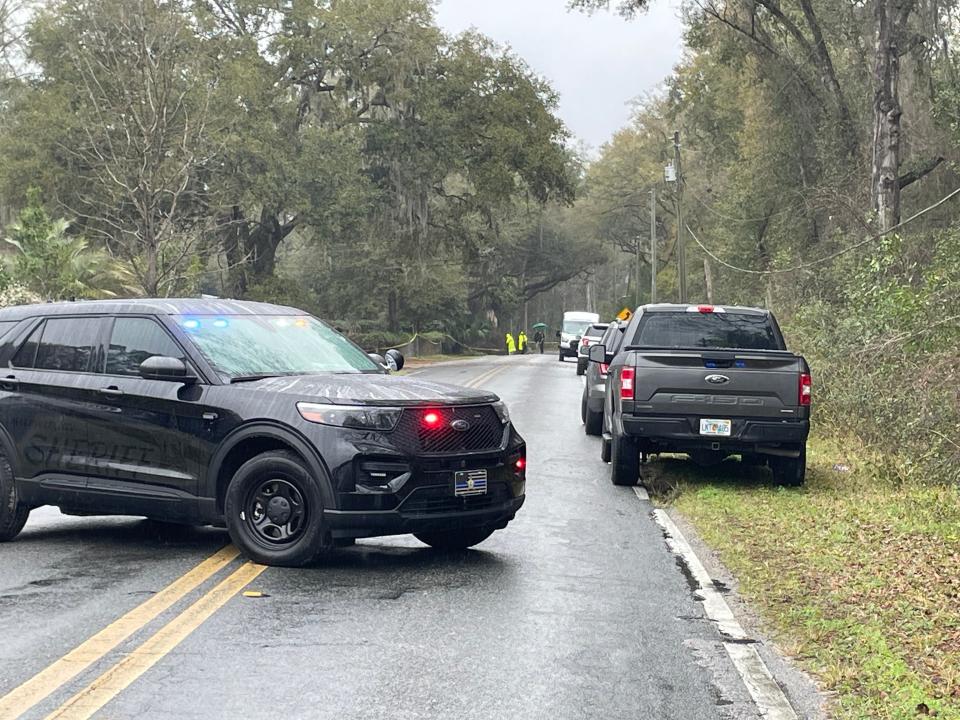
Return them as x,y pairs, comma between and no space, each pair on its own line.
627,376
806,389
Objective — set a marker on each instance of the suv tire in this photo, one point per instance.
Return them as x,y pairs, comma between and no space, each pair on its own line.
13,513
624,461
581,365
455,539
274,511
561,355
790,471
605,450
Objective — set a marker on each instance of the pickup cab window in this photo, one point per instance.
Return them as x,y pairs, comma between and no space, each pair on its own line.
715,330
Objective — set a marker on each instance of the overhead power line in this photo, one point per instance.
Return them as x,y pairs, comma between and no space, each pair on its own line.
730,218
827,258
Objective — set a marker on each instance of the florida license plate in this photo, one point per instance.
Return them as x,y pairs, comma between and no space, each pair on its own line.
469,482
719,428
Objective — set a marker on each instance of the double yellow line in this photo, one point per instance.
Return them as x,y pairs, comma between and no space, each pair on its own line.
124,672
485,376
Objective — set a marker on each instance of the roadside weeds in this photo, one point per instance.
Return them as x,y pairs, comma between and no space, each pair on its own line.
855,576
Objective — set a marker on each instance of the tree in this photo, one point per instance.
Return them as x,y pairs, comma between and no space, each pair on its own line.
55,265
124,113
806,37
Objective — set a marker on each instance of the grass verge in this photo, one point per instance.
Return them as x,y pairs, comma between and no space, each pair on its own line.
855,576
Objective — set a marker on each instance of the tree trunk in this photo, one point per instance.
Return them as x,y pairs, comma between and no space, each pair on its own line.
828,76
891,19
265,240
708,280
234,243
393,311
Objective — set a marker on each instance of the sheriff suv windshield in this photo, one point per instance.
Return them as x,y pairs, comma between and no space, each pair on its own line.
253,346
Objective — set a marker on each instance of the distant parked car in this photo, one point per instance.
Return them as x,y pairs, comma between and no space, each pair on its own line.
575,323
590,337
591,407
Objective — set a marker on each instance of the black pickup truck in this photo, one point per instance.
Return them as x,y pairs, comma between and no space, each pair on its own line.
707,381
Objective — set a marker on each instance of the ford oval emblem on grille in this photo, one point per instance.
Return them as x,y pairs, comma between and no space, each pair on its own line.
460,425
717,379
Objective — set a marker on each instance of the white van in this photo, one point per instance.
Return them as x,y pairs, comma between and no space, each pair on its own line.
575,324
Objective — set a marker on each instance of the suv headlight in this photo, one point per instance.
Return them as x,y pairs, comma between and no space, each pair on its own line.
350,416
501,409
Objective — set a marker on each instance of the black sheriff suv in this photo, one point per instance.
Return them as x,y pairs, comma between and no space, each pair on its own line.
254,416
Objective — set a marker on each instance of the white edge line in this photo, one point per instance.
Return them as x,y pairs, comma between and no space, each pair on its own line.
756,676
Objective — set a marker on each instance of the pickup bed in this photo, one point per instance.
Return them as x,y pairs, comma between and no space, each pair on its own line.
710,382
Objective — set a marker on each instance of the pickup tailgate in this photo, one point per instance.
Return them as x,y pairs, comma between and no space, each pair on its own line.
718,384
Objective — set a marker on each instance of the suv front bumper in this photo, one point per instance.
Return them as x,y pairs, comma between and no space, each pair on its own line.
357,524
423,497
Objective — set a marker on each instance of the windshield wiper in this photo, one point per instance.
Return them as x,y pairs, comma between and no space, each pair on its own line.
254,378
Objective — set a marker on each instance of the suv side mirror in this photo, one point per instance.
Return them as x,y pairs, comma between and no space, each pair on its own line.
378,359
394,359
171,369
597,353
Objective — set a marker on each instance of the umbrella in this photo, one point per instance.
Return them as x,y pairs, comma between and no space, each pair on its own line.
540,326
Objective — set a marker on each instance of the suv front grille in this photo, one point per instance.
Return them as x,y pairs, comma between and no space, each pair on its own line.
458,429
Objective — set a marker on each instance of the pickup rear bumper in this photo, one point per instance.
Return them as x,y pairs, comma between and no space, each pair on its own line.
682,434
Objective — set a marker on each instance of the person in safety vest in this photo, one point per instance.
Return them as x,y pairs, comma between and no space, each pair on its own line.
522,342
510,346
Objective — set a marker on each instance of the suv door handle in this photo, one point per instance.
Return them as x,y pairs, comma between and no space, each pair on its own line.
112,391
10,382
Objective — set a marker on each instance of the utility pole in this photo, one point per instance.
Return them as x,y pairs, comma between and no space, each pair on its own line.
636,289
681,257
653,245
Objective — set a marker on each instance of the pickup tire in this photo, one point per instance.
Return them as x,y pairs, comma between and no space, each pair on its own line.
624,461
592,422
790,472
561,355
605,450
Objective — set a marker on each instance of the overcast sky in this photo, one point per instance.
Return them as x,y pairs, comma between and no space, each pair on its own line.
598,63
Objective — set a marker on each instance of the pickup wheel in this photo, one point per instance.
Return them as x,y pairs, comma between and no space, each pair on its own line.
13,513
605,450
790,471
593,422
624,461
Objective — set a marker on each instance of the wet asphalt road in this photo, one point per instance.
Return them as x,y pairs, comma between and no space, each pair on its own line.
576,610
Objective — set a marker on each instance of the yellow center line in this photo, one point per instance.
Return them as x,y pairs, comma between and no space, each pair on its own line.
22,698
484,377
106,687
